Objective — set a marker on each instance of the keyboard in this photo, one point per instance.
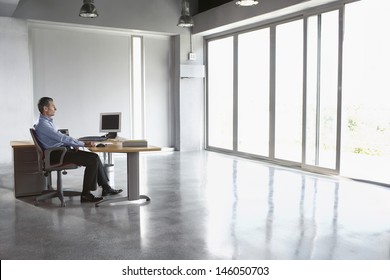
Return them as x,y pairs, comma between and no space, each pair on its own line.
93,138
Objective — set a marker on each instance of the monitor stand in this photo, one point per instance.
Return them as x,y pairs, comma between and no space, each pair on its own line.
111,135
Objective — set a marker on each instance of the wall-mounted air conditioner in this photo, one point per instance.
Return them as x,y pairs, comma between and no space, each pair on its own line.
191,71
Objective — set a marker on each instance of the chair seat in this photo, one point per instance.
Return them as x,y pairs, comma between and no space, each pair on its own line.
63,166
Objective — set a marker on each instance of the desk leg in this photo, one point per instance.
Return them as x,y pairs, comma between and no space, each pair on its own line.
108,164
132,182
133,178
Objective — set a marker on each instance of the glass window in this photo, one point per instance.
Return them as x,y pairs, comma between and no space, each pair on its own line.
328,89
322,89
256,92
312,90
366,87
288,91
253,92
220,93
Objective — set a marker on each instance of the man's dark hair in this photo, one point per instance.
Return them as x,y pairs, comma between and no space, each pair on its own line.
44,101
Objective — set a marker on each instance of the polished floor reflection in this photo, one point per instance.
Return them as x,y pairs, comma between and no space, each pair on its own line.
204,206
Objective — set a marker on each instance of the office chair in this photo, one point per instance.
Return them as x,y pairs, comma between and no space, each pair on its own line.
47,167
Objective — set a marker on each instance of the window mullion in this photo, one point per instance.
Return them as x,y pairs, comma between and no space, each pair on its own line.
235,93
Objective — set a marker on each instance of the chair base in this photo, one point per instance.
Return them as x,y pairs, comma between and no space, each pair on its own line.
54,193
59,192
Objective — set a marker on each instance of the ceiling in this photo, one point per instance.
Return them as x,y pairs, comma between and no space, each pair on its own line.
204,5
141,14
7,7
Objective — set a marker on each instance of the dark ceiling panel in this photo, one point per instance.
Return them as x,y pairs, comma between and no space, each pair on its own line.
205,5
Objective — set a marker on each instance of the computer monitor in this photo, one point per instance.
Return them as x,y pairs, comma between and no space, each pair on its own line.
110,123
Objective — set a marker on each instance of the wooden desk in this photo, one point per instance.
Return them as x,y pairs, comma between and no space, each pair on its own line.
132,169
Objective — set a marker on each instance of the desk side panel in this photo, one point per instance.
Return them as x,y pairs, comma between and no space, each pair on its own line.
28,180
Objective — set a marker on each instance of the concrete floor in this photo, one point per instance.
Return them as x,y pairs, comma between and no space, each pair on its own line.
204,206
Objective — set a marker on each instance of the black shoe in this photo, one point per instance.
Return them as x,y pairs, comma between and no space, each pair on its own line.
90,198
111,191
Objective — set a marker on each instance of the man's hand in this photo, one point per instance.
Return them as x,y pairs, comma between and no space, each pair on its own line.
89,144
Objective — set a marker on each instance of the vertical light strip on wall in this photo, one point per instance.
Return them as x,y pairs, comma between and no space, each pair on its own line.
137,85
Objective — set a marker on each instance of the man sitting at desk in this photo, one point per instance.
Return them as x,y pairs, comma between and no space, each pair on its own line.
50,137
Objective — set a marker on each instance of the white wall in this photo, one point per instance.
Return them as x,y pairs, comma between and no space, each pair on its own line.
16,111
150,16
191,99
88,71
85,72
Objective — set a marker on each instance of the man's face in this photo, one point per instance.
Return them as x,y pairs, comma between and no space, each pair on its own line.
50,110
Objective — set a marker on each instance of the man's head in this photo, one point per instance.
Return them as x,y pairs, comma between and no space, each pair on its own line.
46,106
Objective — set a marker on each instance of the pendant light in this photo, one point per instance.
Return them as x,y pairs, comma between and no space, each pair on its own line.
247,3
185,19
88,9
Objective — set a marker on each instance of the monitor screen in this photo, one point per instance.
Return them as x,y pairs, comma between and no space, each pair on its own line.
110,122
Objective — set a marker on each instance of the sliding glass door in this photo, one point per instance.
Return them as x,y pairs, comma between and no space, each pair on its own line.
274,92
322,116
289,91
220,102
253,92
366,107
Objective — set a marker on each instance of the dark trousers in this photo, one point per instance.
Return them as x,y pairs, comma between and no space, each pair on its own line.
94,173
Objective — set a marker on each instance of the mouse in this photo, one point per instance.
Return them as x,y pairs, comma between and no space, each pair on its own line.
100,145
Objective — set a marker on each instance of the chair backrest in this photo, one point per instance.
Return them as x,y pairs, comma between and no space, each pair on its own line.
40,150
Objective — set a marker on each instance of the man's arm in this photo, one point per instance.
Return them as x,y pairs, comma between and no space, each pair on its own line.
50,137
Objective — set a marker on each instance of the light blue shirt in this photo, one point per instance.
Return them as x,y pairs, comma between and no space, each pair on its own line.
50,137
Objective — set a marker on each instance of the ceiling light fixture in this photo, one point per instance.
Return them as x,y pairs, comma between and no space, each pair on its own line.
88,9
185,19
247,3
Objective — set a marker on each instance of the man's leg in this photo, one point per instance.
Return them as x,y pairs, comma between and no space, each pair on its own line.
94,174
91,162
102,177
103,181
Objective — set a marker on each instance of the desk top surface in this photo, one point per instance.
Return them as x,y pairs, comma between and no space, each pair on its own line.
22,143
115,147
